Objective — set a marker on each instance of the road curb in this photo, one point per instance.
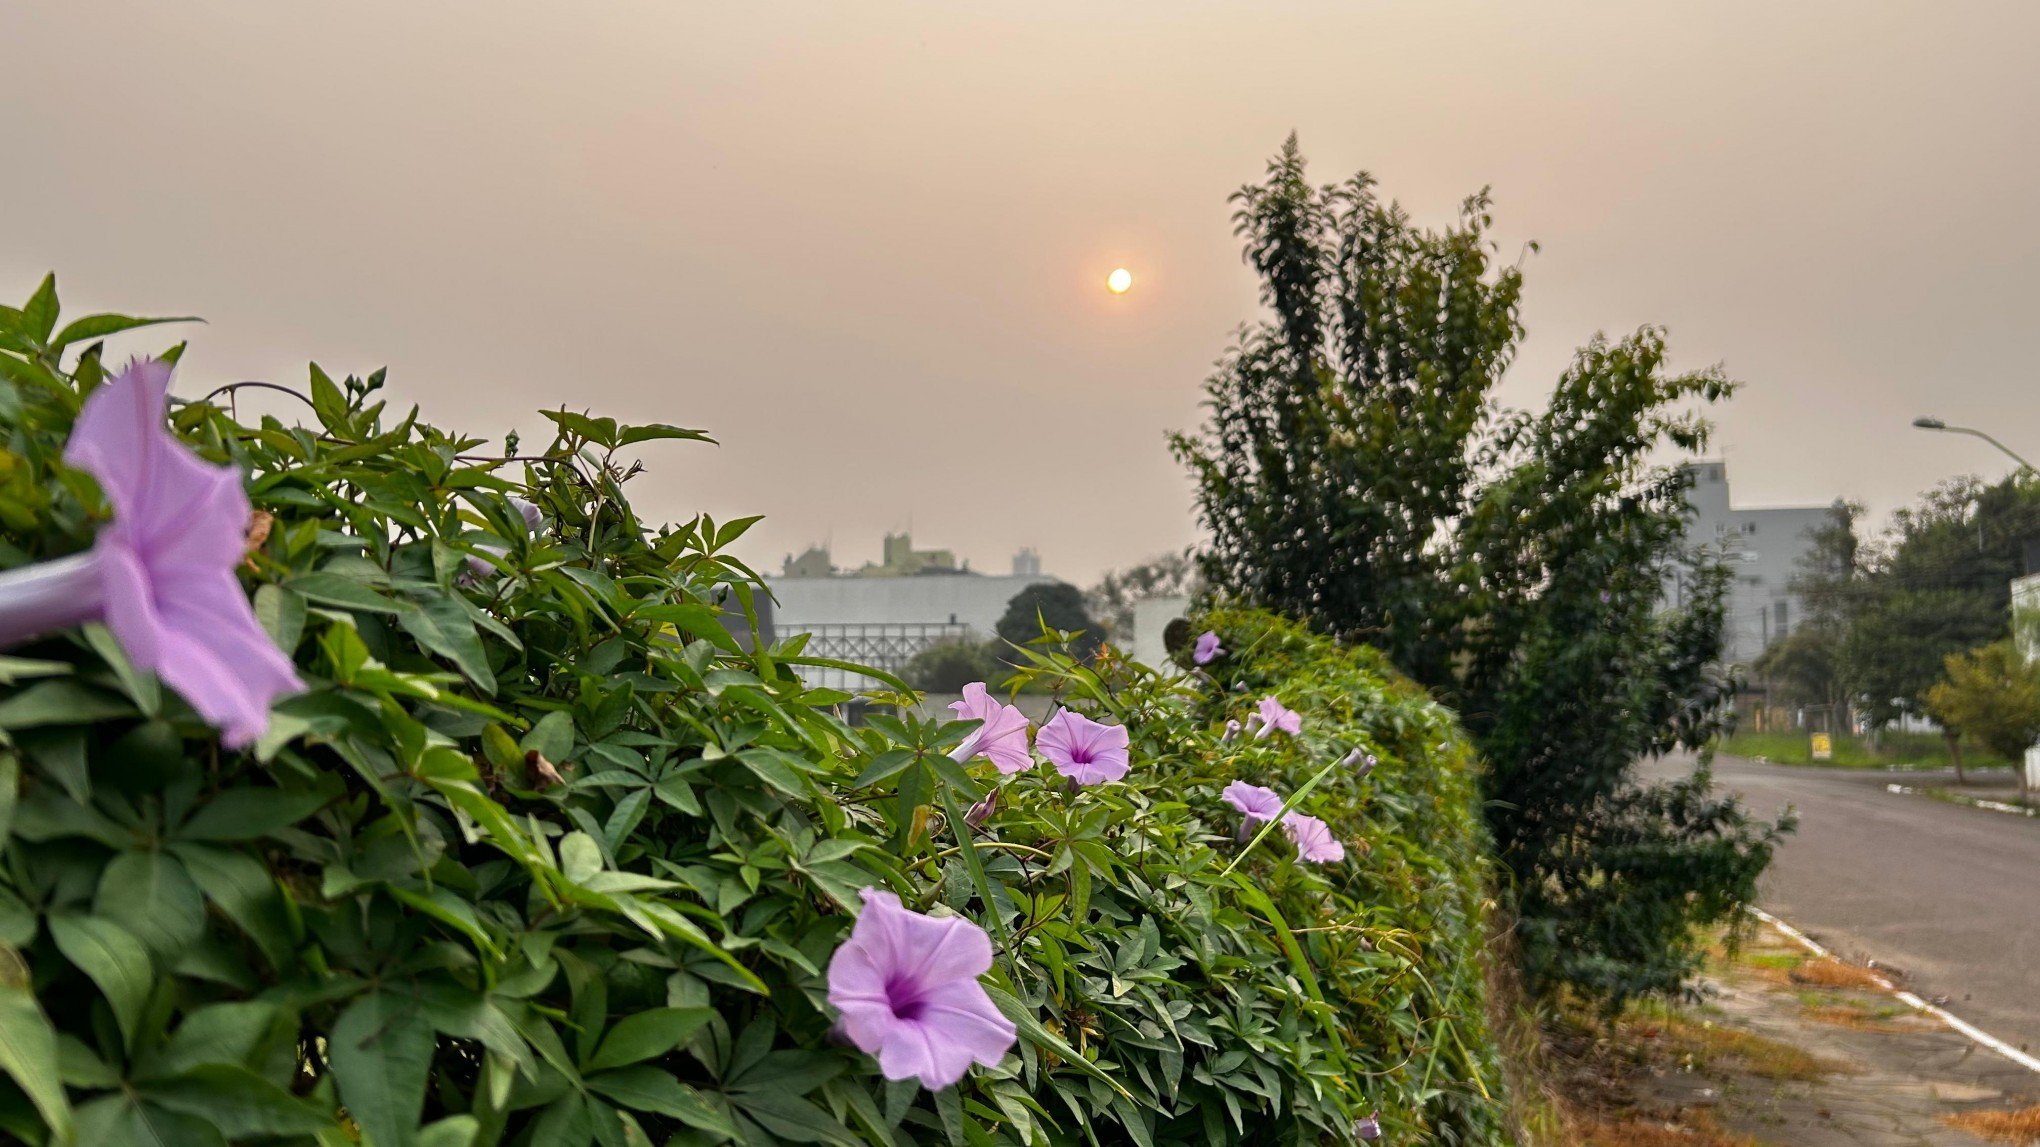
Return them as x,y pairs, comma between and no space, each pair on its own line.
1970,1031
1964,799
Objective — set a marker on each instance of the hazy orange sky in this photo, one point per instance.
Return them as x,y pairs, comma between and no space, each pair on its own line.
865,244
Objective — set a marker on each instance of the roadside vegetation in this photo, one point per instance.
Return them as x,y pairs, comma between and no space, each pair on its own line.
542,845
1890,749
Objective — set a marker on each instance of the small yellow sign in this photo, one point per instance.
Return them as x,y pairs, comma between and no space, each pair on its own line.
1823,748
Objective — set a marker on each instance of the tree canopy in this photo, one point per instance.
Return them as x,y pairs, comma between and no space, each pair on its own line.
1357,471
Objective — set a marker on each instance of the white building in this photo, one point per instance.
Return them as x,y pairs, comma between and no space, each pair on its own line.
882,618
2026,633
1762,547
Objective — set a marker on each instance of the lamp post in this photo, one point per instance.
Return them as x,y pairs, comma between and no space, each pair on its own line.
1937,424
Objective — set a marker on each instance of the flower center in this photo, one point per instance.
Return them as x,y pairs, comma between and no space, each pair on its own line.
903,995
1081,755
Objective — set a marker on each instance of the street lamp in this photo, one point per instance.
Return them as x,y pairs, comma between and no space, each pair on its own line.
1937,424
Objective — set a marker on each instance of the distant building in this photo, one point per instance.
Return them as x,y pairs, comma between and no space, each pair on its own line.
1762,549
813,562
2026,634
884,613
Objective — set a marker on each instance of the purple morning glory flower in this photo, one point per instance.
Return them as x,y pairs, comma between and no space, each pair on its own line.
1259,805
481,567
907,985
1207,649
1232,733
1312,838
1086,751
1275,718
161,574
1369,1129
1002,738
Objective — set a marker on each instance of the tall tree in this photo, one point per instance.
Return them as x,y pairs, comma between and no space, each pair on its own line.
1356,471
1941,584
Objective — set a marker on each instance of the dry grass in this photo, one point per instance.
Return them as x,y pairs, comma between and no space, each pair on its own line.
1712,1048
1827,973
1695,1129
2021,1128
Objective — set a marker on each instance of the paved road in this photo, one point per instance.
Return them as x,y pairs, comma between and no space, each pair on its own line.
1948,894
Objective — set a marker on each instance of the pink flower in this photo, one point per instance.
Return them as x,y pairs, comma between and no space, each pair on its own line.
1275,718
1003,736
1257,804
907,985
161,574
1086,751
1313,840
1207,649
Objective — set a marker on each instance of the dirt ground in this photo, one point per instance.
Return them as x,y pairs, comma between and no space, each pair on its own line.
1789,1050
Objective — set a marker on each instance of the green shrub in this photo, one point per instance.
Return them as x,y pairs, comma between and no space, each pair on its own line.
545,856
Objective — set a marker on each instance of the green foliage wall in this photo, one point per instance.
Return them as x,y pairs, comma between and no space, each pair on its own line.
543,856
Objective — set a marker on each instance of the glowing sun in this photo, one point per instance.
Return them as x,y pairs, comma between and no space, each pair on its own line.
1119,281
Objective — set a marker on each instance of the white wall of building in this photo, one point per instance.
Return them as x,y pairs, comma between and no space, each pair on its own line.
2026,632
975,600
1151,616
1762,548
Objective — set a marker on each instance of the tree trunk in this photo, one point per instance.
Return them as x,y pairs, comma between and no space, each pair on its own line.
1955,754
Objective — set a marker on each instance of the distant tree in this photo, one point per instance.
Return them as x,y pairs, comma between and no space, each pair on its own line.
1357,472
1111,601
1804,668
1940,583
1993,694
1810,665
946,667
1057,605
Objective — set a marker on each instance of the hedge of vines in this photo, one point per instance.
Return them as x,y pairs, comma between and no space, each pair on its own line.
548,851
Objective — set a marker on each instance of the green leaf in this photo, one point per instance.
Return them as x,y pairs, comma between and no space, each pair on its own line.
28,1053
39,314
647,1035
14,670
121,1120
99,326
327,401
600,431
150,894
381,1050
1030,1028
247,813
113,958
649,1089
237,1101
651,431
332,589
232,1032
442,626
61,702
245,891
552,737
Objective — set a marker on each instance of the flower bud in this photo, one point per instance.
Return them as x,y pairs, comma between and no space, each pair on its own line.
982,811
1369,1129
1232,733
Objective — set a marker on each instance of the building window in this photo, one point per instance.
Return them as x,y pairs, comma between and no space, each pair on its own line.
1749,527
1782,615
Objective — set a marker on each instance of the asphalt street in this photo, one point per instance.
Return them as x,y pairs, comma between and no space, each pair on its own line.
1949,895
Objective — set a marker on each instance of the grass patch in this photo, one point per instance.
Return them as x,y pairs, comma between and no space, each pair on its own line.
2020,1128
1925,750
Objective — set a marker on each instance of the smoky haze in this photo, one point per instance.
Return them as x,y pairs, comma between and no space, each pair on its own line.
865,245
